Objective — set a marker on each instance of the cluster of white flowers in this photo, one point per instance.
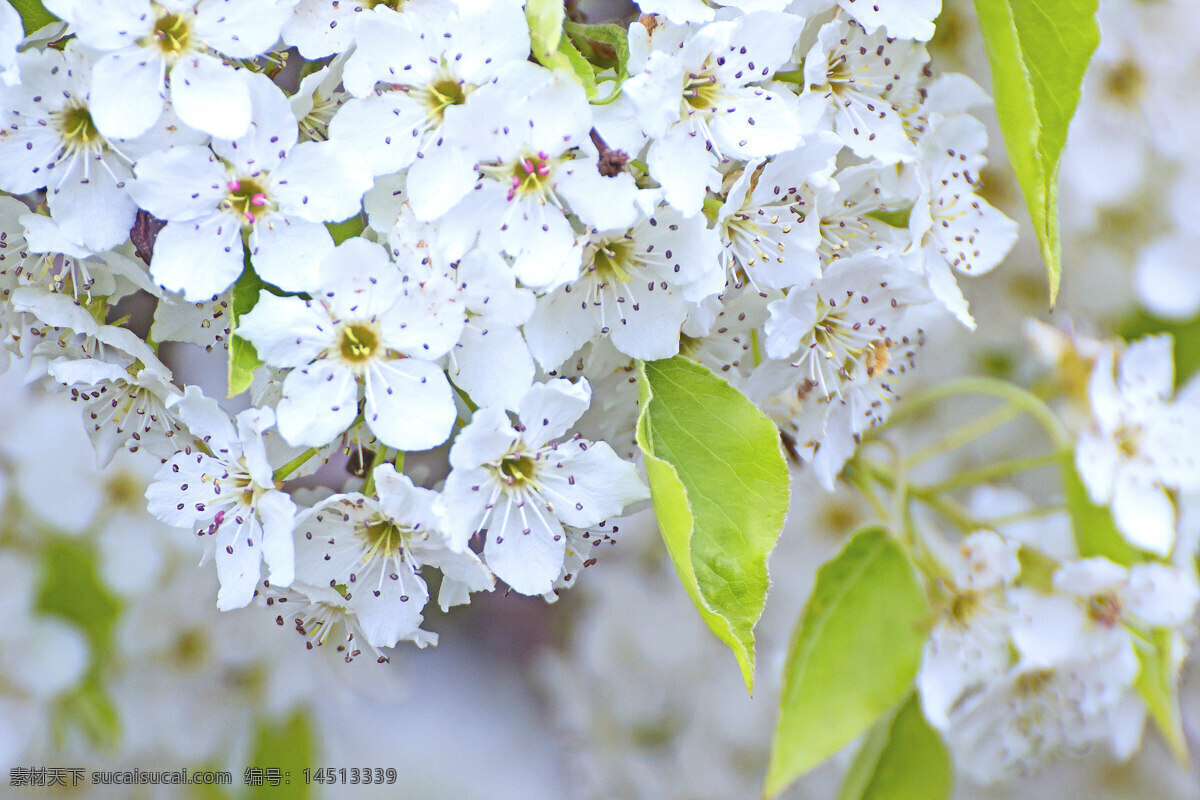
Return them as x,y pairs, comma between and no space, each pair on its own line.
1012,673
784,195
106,654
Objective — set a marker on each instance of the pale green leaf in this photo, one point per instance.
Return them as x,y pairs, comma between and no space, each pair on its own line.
579,65
71,588
1158,684
1038,51
606,46
902,758
719,483
1096,533
34,15
243,358
289,747
854,654
545,18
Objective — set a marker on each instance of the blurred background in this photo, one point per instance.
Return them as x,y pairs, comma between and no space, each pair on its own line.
113,656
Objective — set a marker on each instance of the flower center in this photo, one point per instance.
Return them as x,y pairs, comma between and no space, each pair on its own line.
963,606
1128,440
77,129
1105,610
359,342
531,175
394,5
191,647
1124,82
383,537
701,90
517,470
125,490
1034,682
246,199
611,261
172,34
442,93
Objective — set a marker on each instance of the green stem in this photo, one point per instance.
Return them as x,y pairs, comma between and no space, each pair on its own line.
293,465
611,98
368,487
860,479
949,509
1022,516
967,433
1022,398
999,469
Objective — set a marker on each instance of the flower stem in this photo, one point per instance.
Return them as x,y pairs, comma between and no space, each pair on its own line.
1021,398
967,433
999,469
1022,516
295,464
368,487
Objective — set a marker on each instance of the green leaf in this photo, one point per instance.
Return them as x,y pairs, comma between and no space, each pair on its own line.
34,15
1158,684
243,358
545,18
1038,51
1184,334
902,758
606,46
89,709
579,65
1096,533
71,588
853,656
719,483
290,747
346,229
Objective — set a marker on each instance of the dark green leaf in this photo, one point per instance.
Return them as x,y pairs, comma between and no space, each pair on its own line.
346,229
34,15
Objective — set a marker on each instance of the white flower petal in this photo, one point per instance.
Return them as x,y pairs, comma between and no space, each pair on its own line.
210,96
320,183
318,403
410,405
548,409
288,251
127,92
524,548
200,258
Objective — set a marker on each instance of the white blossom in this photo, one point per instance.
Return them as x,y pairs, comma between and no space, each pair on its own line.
520,486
